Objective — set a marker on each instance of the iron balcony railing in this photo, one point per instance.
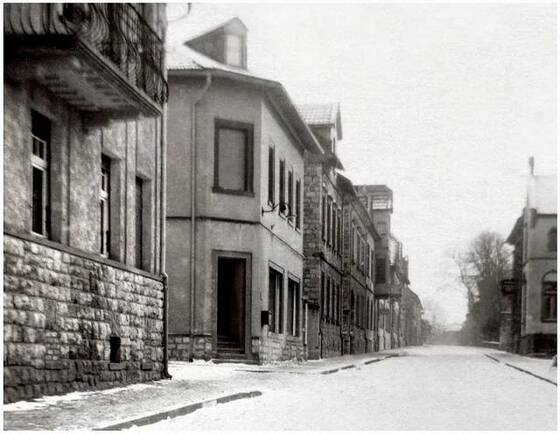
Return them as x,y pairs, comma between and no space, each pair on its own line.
117,31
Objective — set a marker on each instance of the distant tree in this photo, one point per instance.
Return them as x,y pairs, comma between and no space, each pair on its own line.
482,266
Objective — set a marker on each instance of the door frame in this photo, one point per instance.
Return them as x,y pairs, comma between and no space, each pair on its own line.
247,256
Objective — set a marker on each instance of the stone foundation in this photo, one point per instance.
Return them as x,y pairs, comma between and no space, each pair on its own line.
275,347
179,347
61,309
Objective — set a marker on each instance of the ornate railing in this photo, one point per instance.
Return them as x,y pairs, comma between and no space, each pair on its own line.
116,30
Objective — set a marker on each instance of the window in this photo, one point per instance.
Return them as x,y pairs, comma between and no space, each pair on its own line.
282,180
40,142
271,175
139,223
323,298
298,204
291,210
323,216
549,291
293,307
333,226
234,50
328,229
380,270
104,206
233,159
339,232
276,300
382,228
328,307
552,240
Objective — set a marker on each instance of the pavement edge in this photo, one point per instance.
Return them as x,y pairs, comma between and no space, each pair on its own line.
177,411
525,371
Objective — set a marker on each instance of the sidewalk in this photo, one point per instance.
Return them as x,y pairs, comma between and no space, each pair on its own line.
198,383
540,368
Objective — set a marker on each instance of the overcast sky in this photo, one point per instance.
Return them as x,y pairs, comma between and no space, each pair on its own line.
444,103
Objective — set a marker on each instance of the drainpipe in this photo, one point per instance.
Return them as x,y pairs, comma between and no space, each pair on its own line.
163,223
193,210
163,199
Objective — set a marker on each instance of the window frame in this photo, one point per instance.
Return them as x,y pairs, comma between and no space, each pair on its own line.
298,204
552,239
271,174
291,196
282,187
549,291
105,211
41,161
248,130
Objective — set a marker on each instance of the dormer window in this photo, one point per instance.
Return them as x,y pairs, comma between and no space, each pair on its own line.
234,50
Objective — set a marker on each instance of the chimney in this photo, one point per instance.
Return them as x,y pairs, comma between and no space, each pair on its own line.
531,165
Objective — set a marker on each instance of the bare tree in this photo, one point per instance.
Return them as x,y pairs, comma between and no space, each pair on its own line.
481,267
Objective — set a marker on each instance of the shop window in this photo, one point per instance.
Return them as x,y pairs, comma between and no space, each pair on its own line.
293,309
276,300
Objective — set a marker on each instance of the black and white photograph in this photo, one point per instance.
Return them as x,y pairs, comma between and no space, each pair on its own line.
280,216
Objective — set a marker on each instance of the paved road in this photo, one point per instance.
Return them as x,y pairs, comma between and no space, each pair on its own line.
431,388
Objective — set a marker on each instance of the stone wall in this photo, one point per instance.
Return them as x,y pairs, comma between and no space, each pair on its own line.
62,307
179,347
275,347
331,339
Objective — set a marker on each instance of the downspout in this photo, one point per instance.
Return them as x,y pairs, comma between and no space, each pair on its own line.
163,224
193,212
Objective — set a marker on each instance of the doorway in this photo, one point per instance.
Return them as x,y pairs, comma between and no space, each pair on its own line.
231,304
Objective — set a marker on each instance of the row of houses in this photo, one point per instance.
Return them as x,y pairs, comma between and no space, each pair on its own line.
165,202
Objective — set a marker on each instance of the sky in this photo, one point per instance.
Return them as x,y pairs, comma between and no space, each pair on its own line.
444,103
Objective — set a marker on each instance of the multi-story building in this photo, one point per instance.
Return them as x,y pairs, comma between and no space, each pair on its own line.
391,267
359,237
411,318
529,301
236,146
84,91
322,234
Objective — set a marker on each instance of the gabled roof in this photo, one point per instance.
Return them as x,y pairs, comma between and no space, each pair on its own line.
195,25
517,231
541,194
322,115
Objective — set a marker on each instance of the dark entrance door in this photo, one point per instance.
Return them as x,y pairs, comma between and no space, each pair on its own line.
231,305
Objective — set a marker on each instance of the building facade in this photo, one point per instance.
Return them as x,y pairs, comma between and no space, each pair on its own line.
236,147
529,300
411,318
391,267
359,252
322,234
83,194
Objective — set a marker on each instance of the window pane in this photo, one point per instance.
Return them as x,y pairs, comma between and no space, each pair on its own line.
234,50
232,168
139,222
272,298
37,212
271,180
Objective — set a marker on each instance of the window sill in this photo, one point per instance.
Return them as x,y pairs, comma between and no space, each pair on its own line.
549,320
221,190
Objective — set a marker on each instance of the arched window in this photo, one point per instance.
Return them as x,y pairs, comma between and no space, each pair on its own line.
552,240
549,297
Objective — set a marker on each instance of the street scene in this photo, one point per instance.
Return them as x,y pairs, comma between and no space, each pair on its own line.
293,216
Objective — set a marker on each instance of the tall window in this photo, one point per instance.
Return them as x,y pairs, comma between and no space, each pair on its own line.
234,50
233,159
139,223
293,310
333,226
271,175
282,180
276,300
552,240
104,205
380,270
40,142
329,221
339,233
549,295
291,210
298,204
323,216
323,298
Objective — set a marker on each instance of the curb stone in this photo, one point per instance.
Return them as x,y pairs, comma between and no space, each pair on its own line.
367,362
521,369
177,411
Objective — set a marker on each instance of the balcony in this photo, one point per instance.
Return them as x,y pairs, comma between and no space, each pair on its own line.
100,58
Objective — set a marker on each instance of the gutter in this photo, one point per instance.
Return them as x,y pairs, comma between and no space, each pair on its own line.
193,212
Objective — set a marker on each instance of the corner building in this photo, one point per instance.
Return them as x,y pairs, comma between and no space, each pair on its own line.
84,91
236,146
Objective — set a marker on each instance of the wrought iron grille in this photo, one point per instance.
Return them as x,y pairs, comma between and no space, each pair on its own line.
116,30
